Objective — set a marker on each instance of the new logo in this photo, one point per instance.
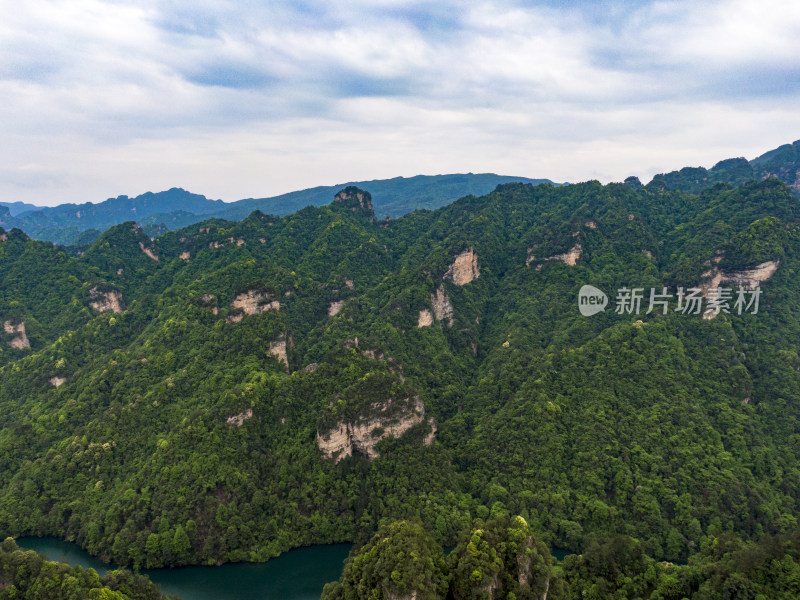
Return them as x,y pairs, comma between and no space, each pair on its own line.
591,300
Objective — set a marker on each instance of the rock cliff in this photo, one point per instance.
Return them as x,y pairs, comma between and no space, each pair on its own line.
19,339
464,268
363,434
105,301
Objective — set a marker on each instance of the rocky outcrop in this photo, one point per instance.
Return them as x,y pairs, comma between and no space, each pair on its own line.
570,257
105,301
19,339
442,309
278,349
746,279
464,268
356,199
425,318
57,381
185,256
335,308
238,420
148,251
364,434
252,302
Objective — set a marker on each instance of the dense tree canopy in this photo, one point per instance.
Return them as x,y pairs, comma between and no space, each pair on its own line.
188,426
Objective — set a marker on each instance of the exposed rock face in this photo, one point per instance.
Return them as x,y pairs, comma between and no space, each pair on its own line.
570,257
335,308
278,349
238,420
748,279
752,278
185,256
356,199
591,224
252,302
442,308
57,381
364,434
464,268
110,300
425,318
148,251
19,339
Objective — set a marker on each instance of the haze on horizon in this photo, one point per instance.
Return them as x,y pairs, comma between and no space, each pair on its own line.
241,99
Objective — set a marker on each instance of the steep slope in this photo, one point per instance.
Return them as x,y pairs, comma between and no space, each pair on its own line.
302,379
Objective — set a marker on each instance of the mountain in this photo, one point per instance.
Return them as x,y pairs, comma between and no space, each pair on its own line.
230,390
64,223
176,208
783,163
392,197
16,208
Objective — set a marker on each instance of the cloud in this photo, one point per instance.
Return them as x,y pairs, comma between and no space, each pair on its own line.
153,90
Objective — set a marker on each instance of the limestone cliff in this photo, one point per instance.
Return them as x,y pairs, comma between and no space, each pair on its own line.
105,301
570,257
387,418
19,339
442,310
464,268
357,200
278,349
747,279
252,302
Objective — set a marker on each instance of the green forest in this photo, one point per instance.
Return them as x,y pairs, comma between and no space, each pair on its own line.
26,575
231,390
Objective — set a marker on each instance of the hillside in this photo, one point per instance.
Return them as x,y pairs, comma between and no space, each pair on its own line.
233,389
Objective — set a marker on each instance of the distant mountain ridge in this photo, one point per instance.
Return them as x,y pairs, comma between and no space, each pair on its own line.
81,224
781,163
176,208
15,208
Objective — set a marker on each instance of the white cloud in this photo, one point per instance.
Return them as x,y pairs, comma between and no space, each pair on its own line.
248,98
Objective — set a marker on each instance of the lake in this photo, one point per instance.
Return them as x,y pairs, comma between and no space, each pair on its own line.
295,575
299,574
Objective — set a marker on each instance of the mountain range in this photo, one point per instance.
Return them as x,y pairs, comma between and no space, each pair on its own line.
158,212
232,389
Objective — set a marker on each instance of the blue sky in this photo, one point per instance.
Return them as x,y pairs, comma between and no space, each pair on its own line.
253,98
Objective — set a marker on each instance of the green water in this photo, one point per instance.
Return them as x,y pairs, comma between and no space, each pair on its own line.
296,575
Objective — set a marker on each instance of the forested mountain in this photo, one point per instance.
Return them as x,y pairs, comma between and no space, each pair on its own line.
15,208
156,213
63,224
233,389
782,163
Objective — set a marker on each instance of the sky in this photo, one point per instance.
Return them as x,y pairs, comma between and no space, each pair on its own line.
247,98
